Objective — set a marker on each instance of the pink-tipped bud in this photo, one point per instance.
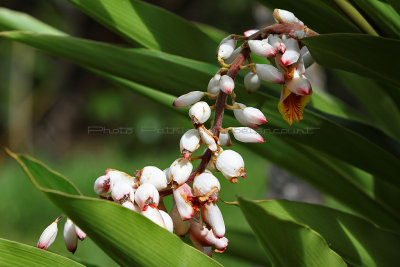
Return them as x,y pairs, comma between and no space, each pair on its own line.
226,84
183,195
250,32
212,216
284,16
188,99
231,165
213,85
190,141
121,192
167,221
70,238
247,135
226,47
238,113
152,213
292,52
306,55
224,139
154,176
131,206
48,236
200,113
103,185
181,227
206,184
262,48
270,73
299,85
79,233
254,115
147,194
208,139
205,237
252,82
180,170
276,43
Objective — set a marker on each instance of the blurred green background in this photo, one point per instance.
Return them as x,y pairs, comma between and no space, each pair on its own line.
47,106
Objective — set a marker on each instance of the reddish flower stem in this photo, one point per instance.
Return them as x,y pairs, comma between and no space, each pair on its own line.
283,28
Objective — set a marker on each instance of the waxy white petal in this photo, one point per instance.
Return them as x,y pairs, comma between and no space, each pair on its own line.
231,164
284,16
306,55
131,206
154,215
224,139
103,185
235,53
48,236
261,48
247,135
250,32
238,113
270,73
226,47
277,43
212,216
146,194
79,233
180,170
182,196
206,237
70,238
226,84
205,183
121,192
189,142
254,115
117,176
200,112
188,99
167,221
181,227
154,176
292,52
252,82
208,139
213,85
299,85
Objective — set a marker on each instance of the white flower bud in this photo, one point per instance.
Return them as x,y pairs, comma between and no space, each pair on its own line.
117,176
306,55
167,221
70,238
154,176
254,115
103,185
226,47
231,164
299,85
300,68
147,194
211,164
232,58
224,139
180,170
292,52
166,172
212,216
247,135
250,32
205,237
207,185
208,139
252,82
238,113
48,236
277,43
79,233
226,84
182,196
270,73
131,206
262,48
121,192
189,142
213,85
200,113
188,99
154,215
181,227
284,16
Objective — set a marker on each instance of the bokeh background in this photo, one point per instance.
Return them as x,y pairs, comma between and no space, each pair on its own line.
48,104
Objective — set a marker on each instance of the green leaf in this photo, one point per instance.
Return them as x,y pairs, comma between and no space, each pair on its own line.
195,75
320,15
17,254
288,243
151,27
357,241
357,53
128,237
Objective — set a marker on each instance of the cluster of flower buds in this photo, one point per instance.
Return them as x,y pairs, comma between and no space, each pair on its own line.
71,235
